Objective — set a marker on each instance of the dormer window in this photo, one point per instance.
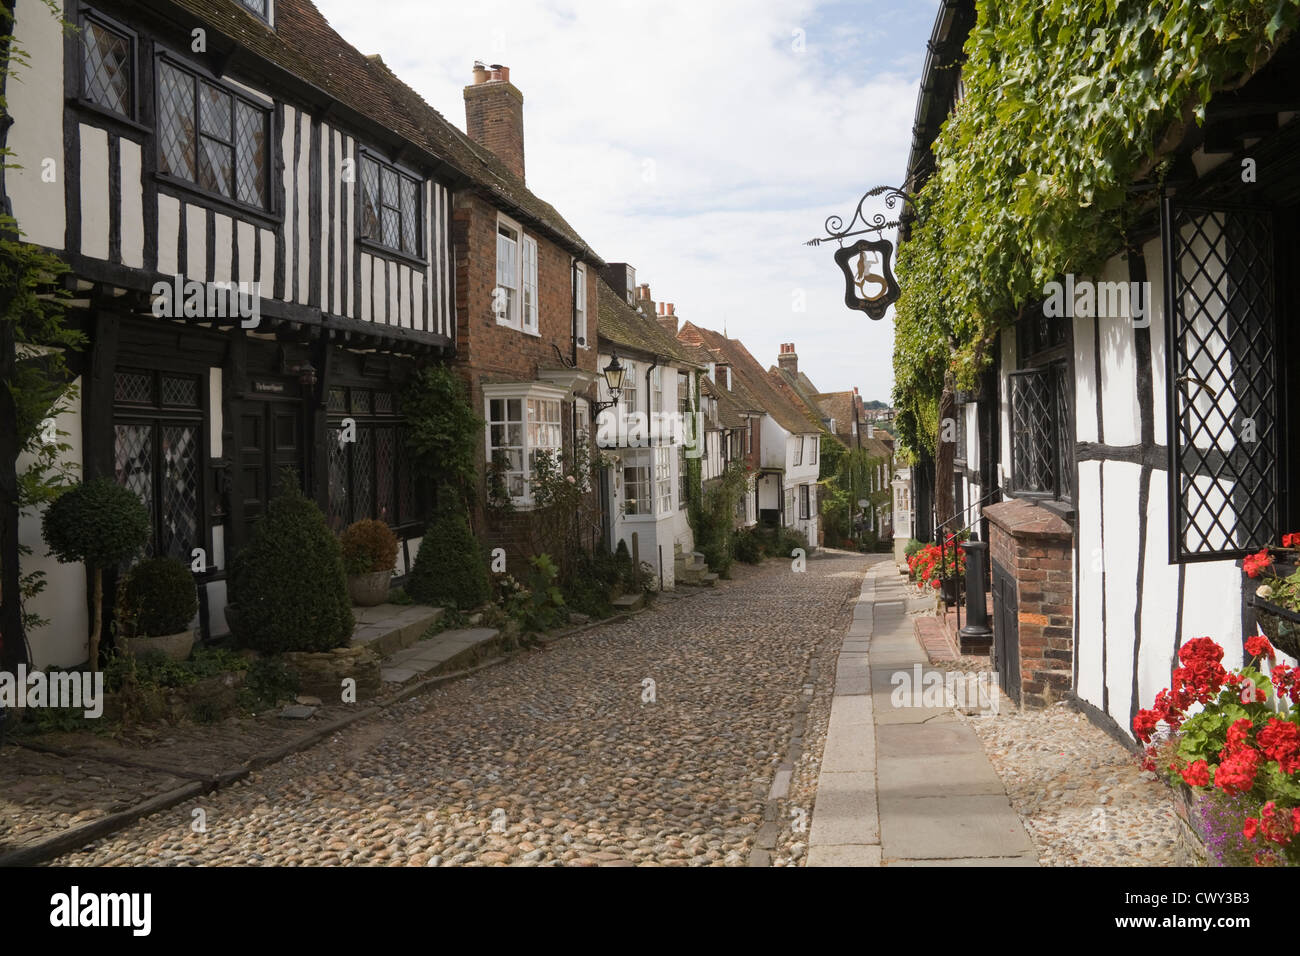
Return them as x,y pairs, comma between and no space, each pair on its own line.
259,8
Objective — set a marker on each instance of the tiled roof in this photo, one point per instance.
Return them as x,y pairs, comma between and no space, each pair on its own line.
628,328
305,45
792,387
839,406
731,414
751,383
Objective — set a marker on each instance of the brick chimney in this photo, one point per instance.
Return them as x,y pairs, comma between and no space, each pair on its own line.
788,361
667,316
494,115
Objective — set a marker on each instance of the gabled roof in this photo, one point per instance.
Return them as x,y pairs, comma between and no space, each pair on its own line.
731,414
751,383
803,398
839,406
305,45
628,328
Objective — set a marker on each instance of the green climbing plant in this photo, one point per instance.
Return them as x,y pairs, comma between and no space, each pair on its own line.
1066,103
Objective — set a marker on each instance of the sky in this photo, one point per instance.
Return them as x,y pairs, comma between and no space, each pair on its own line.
701,141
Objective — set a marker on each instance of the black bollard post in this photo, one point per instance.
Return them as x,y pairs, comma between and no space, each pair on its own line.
976,636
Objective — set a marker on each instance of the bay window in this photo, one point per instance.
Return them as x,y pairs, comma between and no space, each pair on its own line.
522,421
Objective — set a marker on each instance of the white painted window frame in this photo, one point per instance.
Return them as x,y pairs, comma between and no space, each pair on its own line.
523,393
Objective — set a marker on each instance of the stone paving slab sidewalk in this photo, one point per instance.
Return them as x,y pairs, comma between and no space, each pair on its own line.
903,786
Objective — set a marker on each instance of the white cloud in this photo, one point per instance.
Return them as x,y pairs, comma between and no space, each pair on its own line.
751,145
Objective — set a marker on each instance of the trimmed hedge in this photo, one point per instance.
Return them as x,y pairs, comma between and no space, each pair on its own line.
287,585
449,568
158,598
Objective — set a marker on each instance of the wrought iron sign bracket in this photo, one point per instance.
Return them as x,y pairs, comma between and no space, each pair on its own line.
859,276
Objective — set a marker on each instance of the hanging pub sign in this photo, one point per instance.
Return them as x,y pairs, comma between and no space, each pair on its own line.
869,284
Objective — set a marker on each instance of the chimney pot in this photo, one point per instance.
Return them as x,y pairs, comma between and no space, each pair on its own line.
661,308
672,309
494,115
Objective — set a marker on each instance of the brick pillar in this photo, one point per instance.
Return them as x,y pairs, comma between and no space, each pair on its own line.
1035,547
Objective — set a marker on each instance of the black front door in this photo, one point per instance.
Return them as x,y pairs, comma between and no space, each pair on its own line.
270,440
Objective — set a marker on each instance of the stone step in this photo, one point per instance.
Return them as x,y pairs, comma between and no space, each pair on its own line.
388,628
442,653
629,602
706,580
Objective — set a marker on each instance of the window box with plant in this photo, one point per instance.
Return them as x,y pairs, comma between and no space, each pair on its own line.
1229,742
369,555
1277,600
156,606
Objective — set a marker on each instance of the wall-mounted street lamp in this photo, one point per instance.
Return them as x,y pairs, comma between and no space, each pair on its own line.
869,284
614,373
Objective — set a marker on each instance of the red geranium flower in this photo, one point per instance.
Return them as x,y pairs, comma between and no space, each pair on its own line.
1250,829
1280,741
1236,773
1254,564
1196,774
1291,540
1258,646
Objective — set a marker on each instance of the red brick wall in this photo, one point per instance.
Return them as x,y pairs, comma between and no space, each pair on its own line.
489,352
494,117
1043,571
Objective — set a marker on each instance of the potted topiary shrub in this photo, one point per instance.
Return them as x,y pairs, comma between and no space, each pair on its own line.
101,524
287,588
369,553
156,604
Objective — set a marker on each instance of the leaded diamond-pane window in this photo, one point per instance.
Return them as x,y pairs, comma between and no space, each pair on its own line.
133,387
369,477
256,6
390,206
225,150
1041,433
107,67
1222,366
177,390
176,121
158,441
250,169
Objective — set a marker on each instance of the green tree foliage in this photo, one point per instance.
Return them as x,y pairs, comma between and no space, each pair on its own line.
101,524
1067,102
713,517
287,585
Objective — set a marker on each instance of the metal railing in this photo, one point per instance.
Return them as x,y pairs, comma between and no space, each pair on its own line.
942,541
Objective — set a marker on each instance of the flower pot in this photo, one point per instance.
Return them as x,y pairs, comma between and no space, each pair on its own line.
1281,626
367,590
174,647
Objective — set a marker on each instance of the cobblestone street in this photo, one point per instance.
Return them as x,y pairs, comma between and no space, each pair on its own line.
558,756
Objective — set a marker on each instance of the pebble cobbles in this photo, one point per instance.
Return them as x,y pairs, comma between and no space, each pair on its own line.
649,741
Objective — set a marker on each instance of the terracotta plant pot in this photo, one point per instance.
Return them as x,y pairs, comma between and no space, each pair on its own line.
367,590
174,647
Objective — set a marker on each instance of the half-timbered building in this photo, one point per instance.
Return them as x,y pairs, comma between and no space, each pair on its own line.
1141,453
182,146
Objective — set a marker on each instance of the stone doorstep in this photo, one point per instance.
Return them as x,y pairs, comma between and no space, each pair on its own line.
391,627
439,654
